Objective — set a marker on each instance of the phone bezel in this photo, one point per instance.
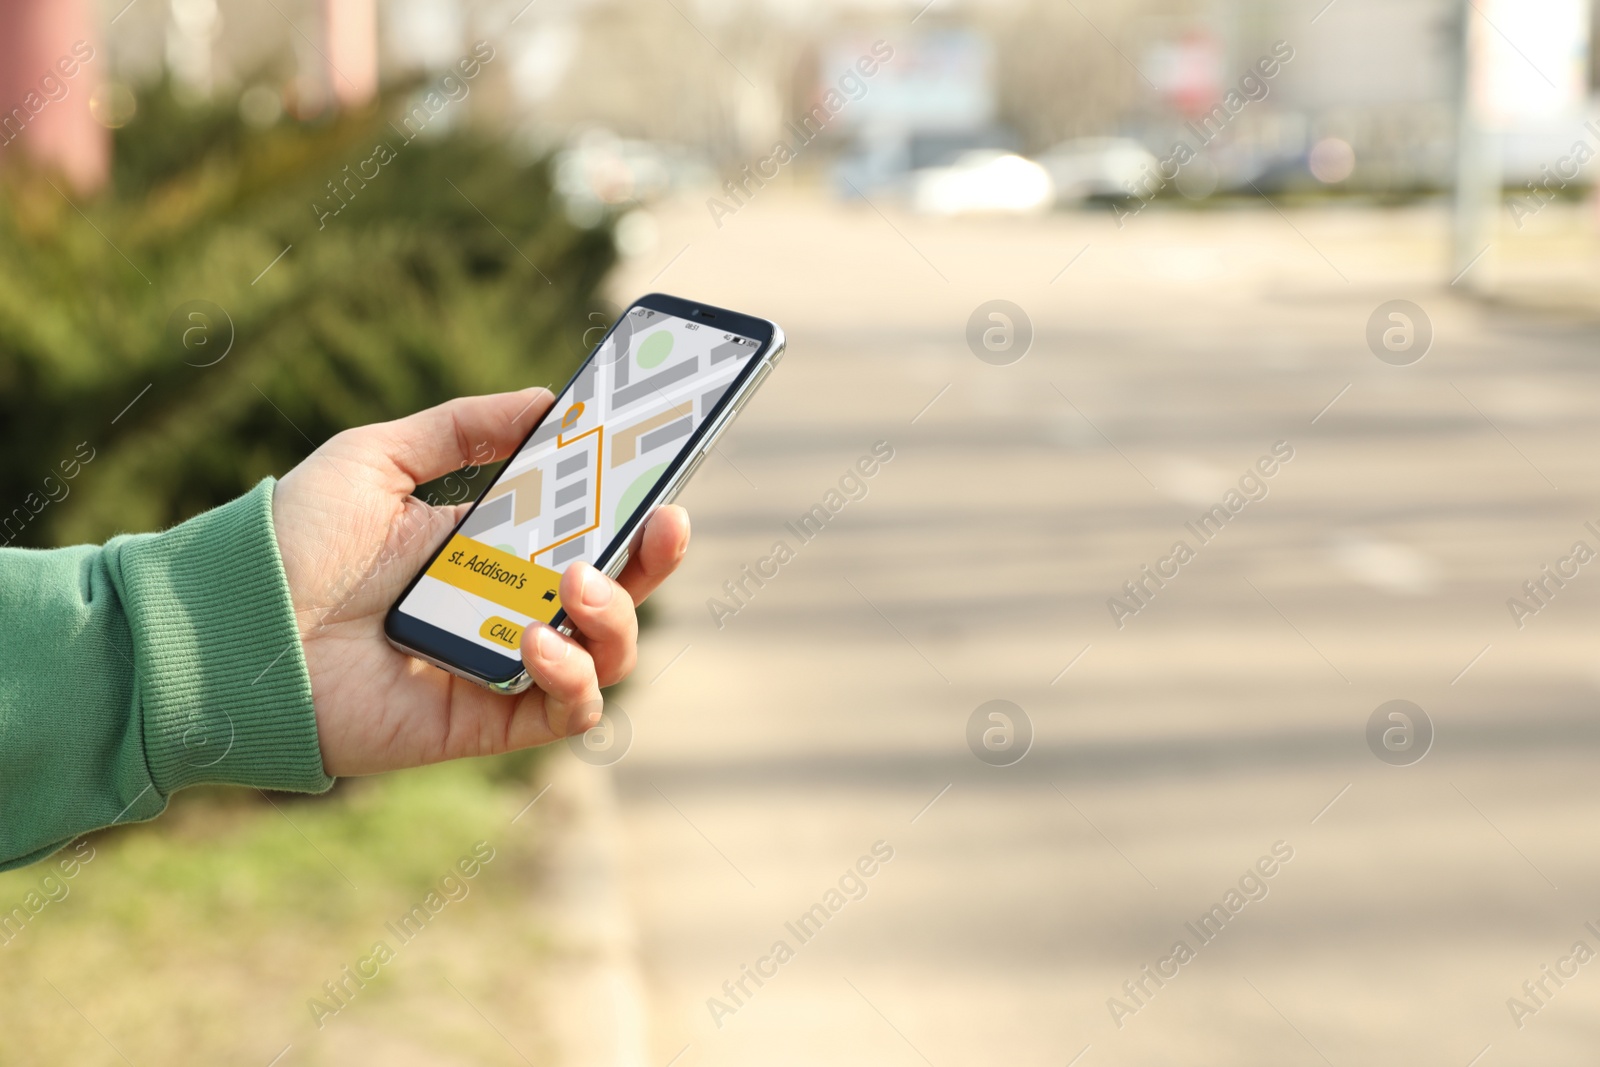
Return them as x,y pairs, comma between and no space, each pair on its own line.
462,657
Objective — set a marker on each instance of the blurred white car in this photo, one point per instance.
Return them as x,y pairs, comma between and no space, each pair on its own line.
1097,166
982,182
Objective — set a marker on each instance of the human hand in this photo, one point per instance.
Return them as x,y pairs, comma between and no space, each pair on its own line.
347,510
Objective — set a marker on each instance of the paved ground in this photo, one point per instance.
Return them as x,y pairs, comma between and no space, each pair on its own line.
1227,716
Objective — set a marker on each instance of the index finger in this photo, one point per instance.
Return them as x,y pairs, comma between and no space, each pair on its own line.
657,552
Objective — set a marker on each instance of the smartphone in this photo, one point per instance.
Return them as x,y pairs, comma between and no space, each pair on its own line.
622,438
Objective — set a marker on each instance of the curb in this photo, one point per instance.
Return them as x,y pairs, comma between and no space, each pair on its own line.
593,1006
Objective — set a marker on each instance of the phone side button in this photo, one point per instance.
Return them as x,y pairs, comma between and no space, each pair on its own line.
683,479
750,390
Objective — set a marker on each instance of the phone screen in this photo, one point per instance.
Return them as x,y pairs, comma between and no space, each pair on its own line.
571,488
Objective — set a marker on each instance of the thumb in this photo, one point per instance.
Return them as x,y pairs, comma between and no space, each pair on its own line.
467,431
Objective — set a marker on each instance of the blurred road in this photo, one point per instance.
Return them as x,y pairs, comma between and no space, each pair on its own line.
1170,755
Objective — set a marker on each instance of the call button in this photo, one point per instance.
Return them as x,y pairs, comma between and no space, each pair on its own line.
501,631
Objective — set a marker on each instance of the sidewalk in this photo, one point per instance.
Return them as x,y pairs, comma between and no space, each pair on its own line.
831,712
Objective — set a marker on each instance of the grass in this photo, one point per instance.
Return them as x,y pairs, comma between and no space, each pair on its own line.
205,936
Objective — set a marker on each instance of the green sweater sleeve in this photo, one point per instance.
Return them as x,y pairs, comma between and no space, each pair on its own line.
154,662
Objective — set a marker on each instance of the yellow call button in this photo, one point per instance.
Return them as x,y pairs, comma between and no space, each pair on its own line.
501,631
499,577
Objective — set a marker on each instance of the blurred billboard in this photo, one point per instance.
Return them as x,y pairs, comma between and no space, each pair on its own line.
937,80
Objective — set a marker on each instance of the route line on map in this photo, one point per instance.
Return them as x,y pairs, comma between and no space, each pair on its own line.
599,474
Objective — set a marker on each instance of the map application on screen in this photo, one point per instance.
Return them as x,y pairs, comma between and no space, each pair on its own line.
604,445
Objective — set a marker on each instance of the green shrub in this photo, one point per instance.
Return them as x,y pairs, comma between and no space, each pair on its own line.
408,296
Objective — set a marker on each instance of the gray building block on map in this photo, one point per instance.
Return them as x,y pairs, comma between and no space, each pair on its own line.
492,514
646,386
670,432
571,550
572,520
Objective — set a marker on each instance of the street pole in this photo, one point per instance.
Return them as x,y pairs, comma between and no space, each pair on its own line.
41,41
1478,166
350,35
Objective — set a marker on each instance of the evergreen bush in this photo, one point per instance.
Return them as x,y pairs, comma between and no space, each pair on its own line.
144,352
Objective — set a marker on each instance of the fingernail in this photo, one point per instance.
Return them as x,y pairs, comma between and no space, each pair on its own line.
549,644
594,589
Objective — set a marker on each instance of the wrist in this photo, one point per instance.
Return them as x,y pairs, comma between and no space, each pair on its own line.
221,681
